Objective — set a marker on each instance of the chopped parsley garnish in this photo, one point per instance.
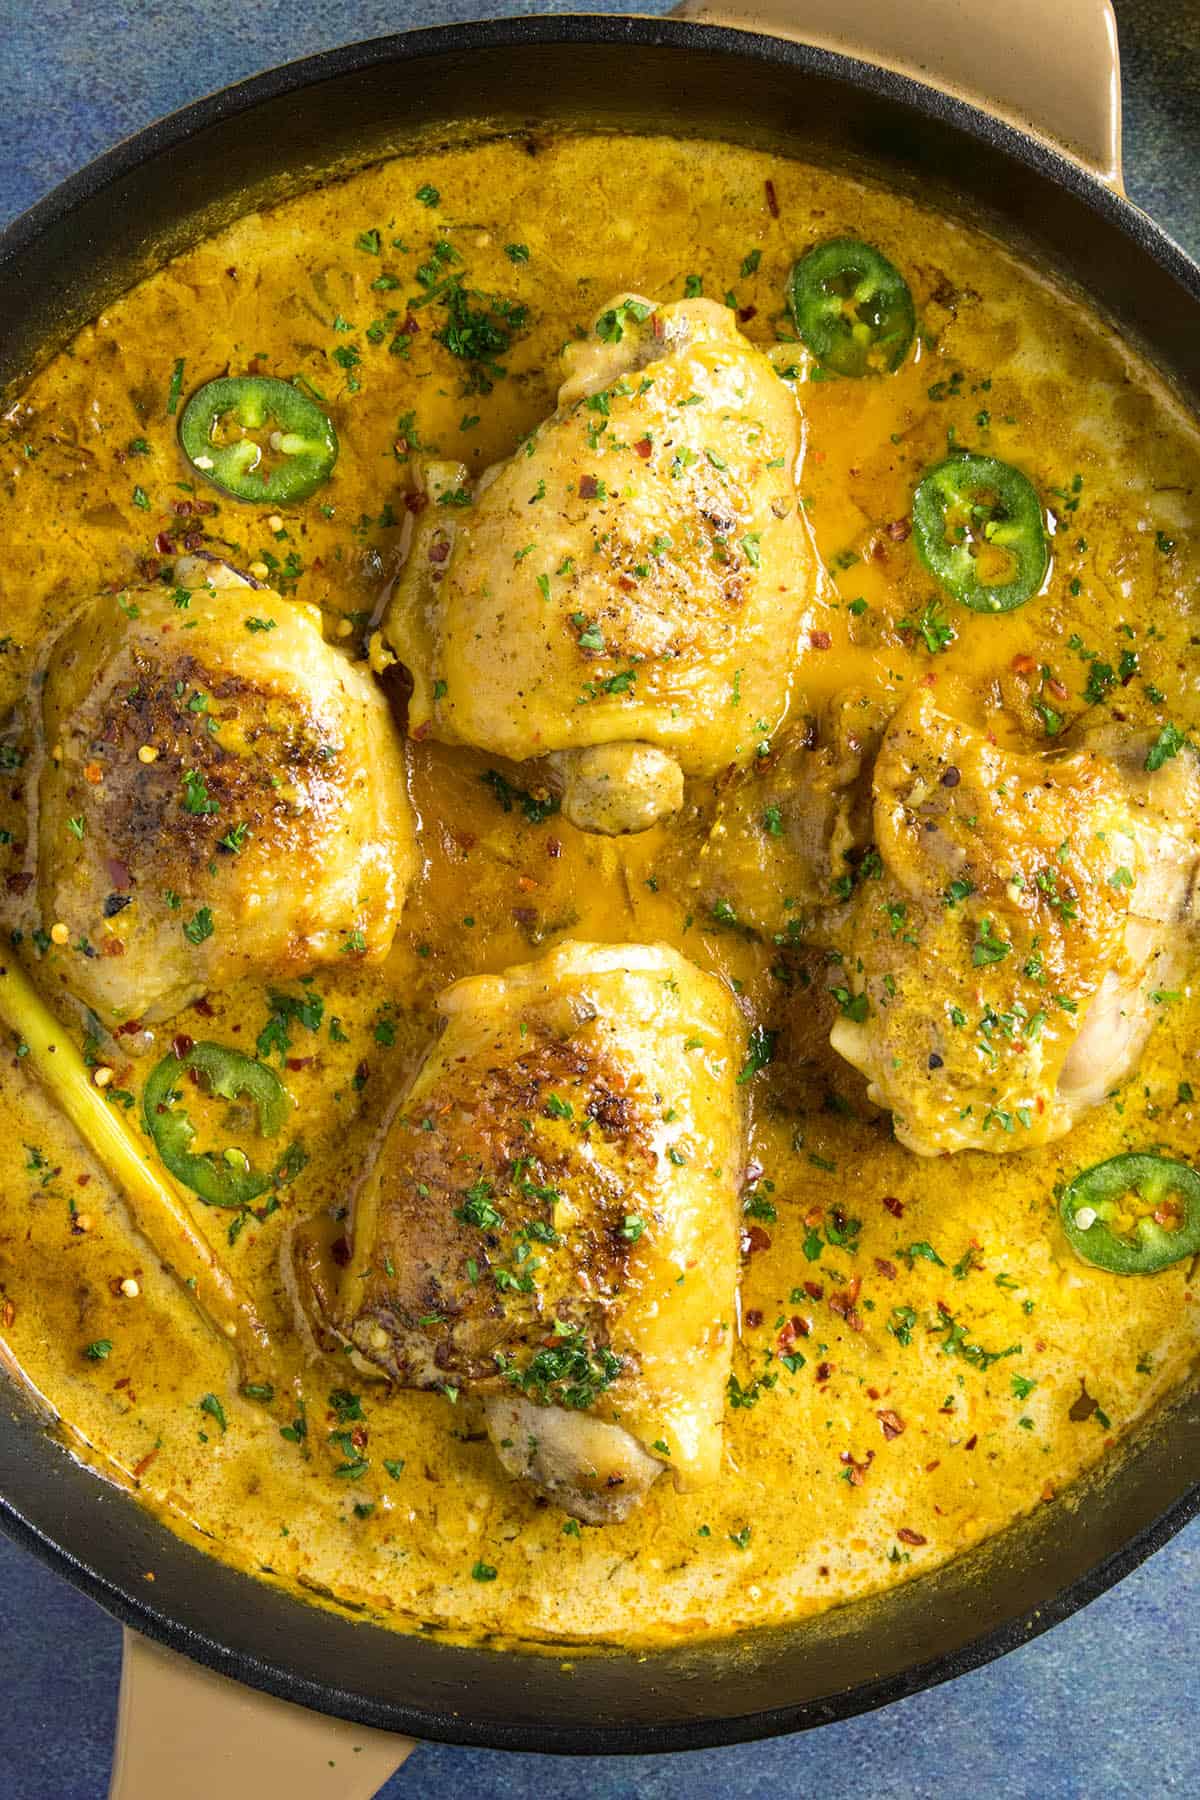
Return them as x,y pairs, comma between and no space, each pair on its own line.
212,1406
988,948
1169,742
570,1372
761,1053
196,929
535,808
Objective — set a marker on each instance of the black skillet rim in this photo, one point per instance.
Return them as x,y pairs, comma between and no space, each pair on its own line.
136,1609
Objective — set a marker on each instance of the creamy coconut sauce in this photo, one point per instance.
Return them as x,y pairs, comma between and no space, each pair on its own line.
955,1365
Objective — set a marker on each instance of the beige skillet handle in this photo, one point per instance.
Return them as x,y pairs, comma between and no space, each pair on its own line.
1048,66
184,1733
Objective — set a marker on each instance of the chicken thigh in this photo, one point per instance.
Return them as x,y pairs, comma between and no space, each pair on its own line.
1000,951
784,832
629,595
552,1221
221,792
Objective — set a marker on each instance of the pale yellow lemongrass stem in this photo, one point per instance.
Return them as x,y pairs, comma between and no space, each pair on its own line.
156,1206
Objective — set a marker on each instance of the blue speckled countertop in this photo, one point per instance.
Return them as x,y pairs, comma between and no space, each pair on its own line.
1106,1704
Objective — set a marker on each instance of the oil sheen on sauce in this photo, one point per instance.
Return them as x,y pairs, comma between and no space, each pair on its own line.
954,1365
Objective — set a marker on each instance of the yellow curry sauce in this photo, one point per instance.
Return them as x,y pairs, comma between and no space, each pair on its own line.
950,1364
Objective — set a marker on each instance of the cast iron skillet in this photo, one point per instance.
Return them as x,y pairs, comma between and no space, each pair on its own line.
156,193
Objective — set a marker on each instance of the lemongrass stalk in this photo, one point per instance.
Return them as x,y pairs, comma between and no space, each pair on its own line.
156,1206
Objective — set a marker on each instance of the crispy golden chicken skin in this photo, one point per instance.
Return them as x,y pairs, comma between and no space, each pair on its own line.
221,792
630,593
1006,936
552,1221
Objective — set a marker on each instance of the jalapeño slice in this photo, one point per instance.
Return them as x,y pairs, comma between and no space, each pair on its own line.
978,529
220,1178
258,439
852,307
1134,1214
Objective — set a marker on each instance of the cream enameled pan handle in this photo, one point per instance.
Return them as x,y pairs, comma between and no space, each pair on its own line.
186,1734
1048,66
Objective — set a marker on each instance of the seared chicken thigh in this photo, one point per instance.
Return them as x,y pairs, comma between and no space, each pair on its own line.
221,793
552,1220
629,595
784,829
1001,950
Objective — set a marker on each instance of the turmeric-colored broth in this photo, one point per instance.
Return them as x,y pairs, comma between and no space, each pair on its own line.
906,1433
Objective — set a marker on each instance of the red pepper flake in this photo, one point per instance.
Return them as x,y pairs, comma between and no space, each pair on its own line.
842,1303
746,313
891,1421
554,847
772,199
139,1469
885,1268
410,327
794,1328
814,1290
1058,690
588,487
858,1470
754,1238
820,640
113,946
182,1045
914,1538
894,1206
971,1441
8,1314
300,1062
204,1007
824,1371
439,551
898,530
644,448
754,1318
340,1251
1023,663
413,503
164,545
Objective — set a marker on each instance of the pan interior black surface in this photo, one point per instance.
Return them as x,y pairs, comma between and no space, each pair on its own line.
149,198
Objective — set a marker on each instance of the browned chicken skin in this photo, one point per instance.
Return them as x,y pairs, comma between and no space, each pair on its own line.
1009,929
552,1223
221,792
629,596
